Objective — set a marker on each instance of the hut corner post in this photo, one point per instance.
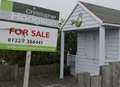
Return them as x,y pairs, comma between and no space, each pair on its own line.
62,56
101,45
119,44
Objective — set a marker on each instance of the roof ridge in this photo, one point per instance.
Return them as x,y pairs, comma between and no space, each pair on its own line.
106,14
84,2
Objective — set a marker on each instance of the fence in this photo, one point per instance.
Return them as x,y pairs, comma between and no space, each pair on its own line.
109,77
13,72
8,72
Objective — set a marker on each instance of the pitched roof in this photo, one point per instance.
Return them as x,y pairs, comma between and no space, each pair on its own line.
107,15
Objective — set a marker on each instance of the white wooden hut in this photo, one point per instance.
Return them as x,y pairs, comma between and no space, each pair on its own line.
98,37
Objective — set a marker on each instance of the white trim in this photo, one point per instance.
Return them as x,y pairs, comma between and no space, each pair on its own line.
108,61
119,43
68,17
92,14
101,45
77,29
62,56
109,24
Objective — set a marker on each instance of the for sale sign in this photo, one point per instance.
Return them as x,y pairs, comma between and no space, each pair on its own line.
15,36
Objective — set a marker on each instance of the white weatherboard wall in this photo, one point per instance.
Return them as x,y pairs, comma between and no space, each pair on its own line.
87,52
87,19
112,45
87,58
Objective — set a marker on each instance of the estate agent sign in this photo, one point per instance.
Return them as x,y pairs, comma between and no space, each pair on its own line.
26,27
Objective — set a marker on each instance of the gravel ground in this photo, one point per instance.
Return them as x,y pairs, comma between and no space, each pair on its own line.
45,81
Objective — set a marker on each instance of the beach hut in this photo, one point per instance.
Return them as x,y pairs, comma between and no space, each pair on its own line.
98,38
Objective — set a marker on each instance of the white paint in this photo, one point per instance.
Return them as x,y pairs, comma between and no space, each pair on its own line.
27,69
62,56
114,25
101,45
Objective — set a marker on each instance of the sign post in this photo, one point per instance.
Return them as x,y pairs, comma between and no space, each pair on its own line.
27,69
62,56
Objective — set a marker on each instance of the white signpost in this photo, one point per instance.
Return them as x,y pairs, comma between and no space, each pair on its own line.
27,28
27,69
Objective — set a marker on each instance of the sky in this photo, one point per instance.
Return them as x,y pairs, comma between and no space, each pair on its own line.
65,7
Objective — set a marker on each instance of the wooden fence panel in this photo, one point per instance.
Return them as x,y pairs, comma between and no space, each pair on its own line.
106,74
83,80
109,77
115,74
95,81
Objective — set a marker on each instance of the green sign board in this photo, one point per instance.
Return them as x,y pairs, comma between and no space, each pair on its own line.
28,9
6,5
18,29
29,14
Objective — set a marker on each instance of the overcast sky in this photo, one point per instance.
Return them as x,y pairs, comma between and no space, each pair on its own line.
65,6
